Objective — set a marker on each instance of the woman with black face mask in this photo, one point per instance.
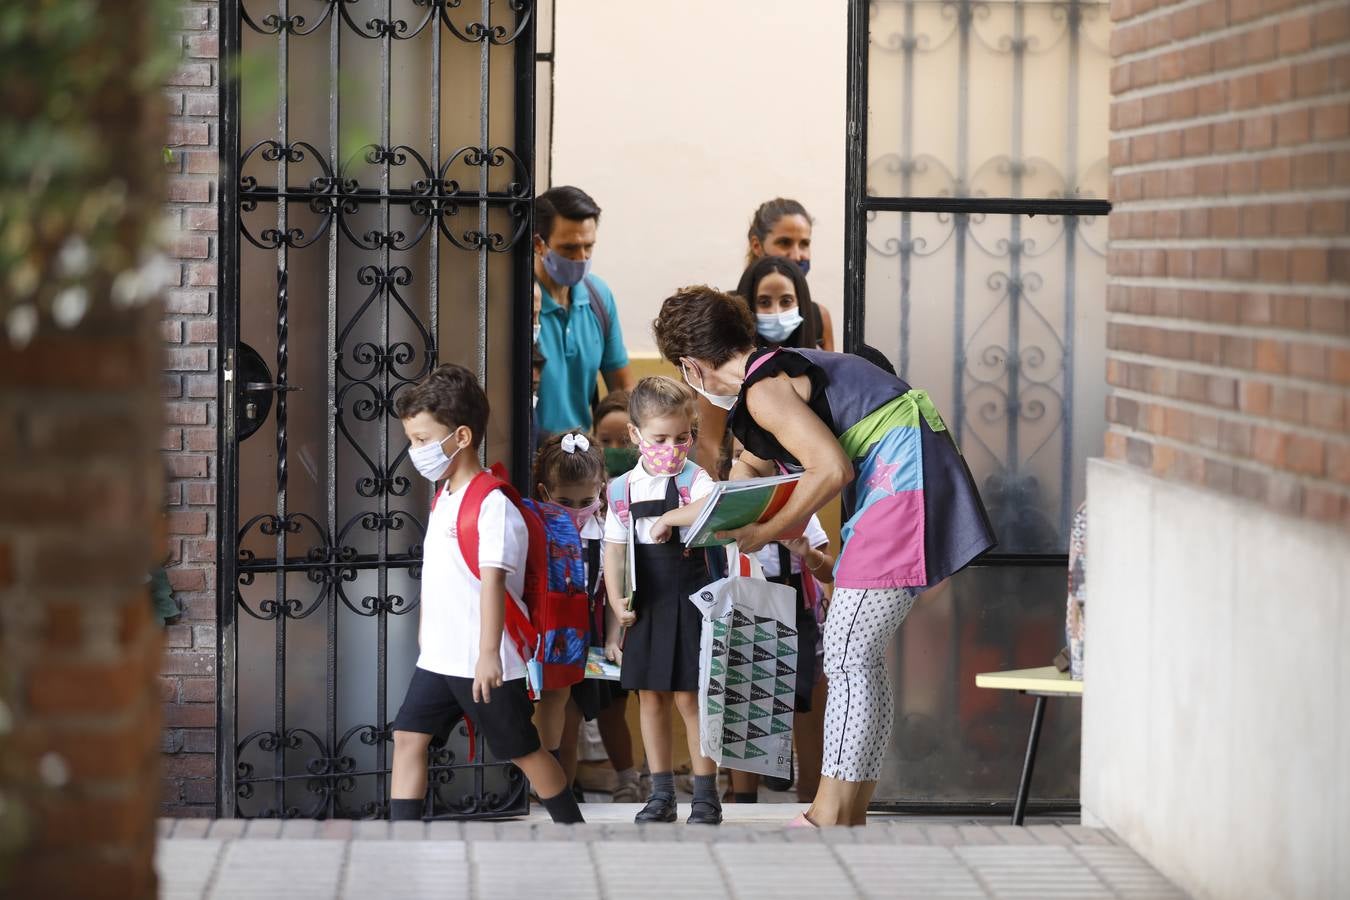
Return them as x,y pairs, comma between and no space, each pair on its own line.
782,227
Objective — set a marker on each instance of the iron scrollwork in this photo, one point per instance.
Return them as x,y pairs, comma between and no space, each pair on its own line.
1012,372
382,215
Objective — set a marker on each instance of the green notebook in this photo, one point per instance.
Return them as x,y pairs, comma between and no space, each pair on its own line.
735,504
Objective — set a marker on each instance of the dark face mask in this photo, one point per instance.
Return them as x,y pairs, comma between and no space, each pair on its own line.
620,459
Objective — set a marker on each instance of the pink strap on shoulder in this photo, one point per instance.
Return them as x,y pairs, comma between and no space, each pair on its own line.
761,361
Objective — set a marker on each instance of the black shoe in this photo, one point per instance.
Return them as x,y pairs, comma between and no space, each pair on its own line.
705,813
658,809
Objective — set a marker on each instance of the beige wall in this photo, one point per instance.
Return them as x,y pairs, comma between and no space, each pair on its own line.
681,118
1216,719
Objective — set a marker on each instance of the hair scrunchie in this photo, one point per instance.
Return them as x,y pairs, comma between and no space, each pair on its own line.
571,443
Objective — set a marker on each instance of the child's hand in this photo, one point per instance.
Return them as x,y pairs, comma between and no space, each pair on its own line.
797,546
625,616
661,531
486,676
613,652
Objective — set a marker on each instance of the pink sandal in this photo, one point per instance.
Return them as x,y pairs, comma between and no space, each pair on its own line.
802,822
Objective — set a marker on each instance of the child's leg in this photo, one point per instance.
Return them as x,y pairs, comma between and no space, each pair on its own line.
549,715
655,716
546,776
654,707
707,807
618,740
551,785
408,781
504,722
567,750
687,703
744,786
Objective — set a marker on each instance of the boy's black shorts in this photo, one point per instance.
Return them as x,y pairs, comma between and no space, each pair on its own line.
435,702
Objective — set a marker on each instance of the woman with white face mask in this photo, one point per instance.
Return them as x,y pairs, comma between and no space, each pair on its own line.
776,292
916,515
774,289
782,227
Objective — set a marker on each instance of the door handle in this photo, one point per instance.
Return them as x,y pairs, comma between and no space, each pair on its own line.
269,386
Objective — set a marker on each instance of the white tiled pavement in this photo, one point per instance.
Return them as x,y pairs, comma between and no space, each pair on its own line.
751,856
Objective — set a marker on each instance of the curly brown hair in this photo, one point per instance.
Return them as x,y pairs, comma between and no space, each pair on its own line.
703,323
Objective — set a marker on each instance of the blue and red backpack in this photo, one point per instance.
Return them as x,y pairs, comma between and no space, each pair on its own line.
555,635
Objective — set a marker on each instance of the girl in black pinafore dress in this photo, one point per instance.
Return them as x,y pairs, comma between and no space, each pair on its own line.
659,649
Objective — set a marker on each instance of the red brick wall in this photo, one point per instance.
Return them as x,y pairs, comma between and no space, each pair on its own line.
1229,331
79,496
188,677
81,484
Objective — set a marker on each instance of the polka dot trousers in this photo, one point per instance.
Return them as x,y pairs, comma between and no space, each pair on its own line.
860,705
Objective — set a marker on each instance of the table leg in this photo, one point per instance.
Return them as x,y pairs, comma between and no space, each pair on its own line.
1024,786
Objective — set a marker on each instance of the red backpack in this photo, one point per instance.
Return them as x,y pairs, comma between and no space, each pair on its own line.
553,638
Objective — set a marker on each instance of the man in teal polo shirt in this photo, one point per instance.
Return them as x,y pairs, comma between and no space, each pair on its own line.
579,331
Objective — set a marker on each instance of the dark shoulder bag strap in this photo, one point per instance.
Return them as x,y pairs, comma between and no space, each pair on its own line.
784,563
593,565
602,319
598,307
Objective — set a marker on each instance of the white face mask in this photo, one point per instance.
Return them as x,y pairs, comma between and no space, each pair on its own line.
776,327
430,459
721,401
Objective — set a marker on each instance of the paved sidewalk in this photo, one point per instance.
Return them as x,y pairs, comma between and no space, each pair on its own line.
610,858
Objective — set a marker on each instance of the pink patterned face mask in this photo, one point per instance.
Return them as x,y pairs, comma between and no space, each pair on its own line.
664,459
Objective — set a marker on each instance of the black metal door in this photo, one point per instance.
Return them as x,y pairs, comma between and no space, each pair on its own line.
975,228
375,212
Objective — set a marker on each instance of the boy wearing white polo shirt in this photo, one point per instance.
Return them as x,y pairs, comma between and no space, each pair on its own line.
465,667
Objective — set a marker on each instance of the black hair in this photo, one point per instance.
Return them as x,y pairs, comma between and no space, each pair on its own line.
767,216
566,202
614,401
876,358
452,395
805,335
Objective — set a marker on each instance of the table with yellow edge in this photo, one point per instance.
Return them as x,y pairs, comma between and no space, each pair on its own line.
1041,683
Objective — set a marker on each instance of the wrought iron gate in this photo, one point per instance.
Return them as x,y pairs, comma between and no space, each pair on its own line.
375,219
975,219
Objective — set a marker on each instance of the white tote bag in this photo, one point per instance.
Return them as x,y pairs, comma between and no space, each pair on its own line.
747,670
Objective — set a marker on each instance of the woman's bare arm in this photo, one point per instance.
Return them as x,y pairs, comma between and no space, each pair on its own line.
780,410
748,465
826,329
